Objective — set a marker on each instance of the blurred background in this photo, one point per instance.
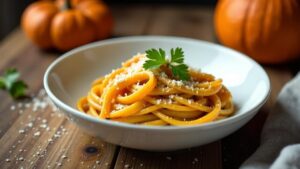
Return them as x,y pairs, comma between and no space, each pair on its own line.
11,10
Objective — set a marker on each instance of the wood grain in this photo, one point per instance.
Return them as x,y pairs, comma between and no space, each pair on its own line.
11,46
207,157
51,141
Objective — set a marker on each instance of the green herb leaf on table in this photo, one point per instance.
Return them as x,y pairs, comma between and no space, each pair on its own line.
157,58
18,89
9,82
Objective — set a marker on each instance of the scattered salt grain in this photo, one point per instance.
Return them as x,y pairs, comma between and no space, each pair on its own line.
57,134
38,133
21,159
7,160
30,124
97,162
64,157
43,126
21,131
13,107
126,165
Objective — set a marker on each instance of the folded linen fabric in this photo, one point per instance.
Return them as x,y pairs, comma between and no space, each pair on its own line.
280,138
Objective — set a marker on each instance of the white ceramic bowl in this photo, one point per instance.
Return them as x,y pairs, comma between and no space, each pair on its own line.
69,77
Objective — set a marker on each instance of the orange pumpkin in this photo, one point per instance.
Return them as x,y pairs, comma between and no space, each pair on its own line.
267,30
49,24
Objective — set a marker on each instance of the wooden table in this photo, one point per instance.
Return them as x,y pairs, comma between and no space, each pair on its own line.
35,136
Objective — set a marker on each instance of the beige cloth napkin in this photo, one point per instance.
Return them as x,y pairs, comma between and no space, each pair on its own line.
280,141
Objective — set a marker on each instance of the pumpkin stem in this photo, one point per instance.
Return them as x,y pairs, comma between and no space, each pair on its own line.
67,5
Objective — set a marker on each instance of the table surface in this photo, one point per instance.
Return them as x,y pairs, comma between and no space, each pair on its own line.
34,135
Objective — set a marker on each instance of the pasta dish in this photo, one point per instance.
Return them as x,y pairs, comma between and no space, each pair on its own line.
133,94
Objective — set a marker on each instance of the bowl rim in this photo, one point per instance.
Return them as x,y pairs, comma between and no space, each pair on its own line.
213,124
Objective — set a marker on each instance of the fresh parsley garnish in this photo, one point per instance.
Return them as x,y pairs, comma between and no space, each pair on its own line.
11,83
157,58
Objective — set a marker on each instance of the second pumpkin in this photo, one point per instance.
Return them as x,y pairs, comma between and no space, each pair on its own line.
65,26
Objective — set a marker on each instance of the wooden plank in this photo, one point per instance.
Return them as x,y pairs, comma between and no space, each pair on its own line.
11,46
207,157
245,141
45,139
187,21
31,72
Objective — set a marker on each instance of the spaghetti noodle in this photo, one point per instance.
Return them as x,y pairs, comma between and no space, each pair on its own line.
132,94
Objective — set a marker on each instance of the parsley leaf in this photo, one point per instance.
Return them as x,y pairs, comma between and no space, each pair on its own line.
177,55
9,82
180,71
18,89
157,58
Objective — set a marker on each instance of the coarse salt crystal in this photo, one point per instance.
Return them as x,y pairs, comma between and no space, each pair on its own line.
13,107
30,124
21,131
38,133
43,126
